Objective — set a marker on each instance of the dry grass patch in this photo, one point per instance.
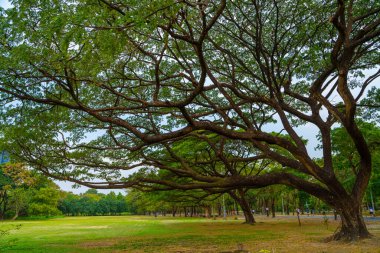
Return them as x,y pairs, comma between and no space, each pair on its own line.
97,244
271,235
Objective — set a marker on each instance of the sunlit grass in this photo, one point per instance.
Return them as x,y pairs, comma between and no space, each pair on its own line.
166,234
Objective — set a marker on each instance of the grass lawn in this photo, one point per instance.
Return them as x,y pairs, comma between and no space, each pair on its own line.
166,234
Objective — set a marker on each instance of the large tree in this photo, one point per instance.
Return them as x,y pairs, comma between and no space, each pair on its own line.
88,86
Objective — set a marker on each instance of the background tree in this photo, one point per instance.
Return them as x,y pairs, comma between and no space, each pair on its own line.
18,201
44,202
15,178
5,184
92,203
68,204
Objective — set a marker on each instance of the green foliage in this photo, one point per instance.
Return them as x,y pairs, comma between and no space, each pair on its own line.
93,203
38,209
370,106
304,200
5,180
171,202
346,159
44,202
19,199
15,178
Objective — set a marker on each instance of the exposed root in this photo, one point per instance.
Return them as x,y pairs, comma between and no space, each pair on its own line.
346,235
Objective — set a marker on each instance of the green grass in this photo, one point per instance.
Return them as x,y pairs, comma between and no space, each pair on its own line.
166,234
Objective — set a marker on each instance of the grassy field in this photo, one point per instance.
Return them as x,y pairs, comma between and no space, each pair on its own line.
165,234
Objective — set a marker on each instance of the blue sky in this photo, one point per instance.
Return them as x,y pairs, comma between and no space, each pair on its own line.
5,4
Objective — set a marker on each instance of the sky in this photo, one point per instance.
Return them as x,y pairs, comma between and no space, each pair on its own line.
5,4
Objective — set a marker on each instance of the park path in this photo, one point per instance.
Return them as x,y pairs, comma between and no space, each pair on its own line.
316,216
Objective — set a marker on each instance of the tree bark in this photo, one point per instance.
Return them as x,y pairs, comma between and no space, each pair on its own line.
249,219
243,203
4,203
16,214
208,211
352,225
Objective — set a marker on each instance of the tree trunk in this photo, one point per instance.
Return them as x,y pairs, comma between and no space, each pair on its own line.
3,204
298,217
243,203
266,201
16,214
273,208
352,225
249,219
208,212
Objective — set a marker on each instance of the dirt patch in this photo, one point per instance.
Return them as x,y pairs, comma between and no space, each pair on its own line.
93,227
98,244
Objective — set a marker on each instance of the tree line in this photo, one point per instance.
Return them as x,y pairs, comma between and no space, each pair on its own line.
93,203
26,193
